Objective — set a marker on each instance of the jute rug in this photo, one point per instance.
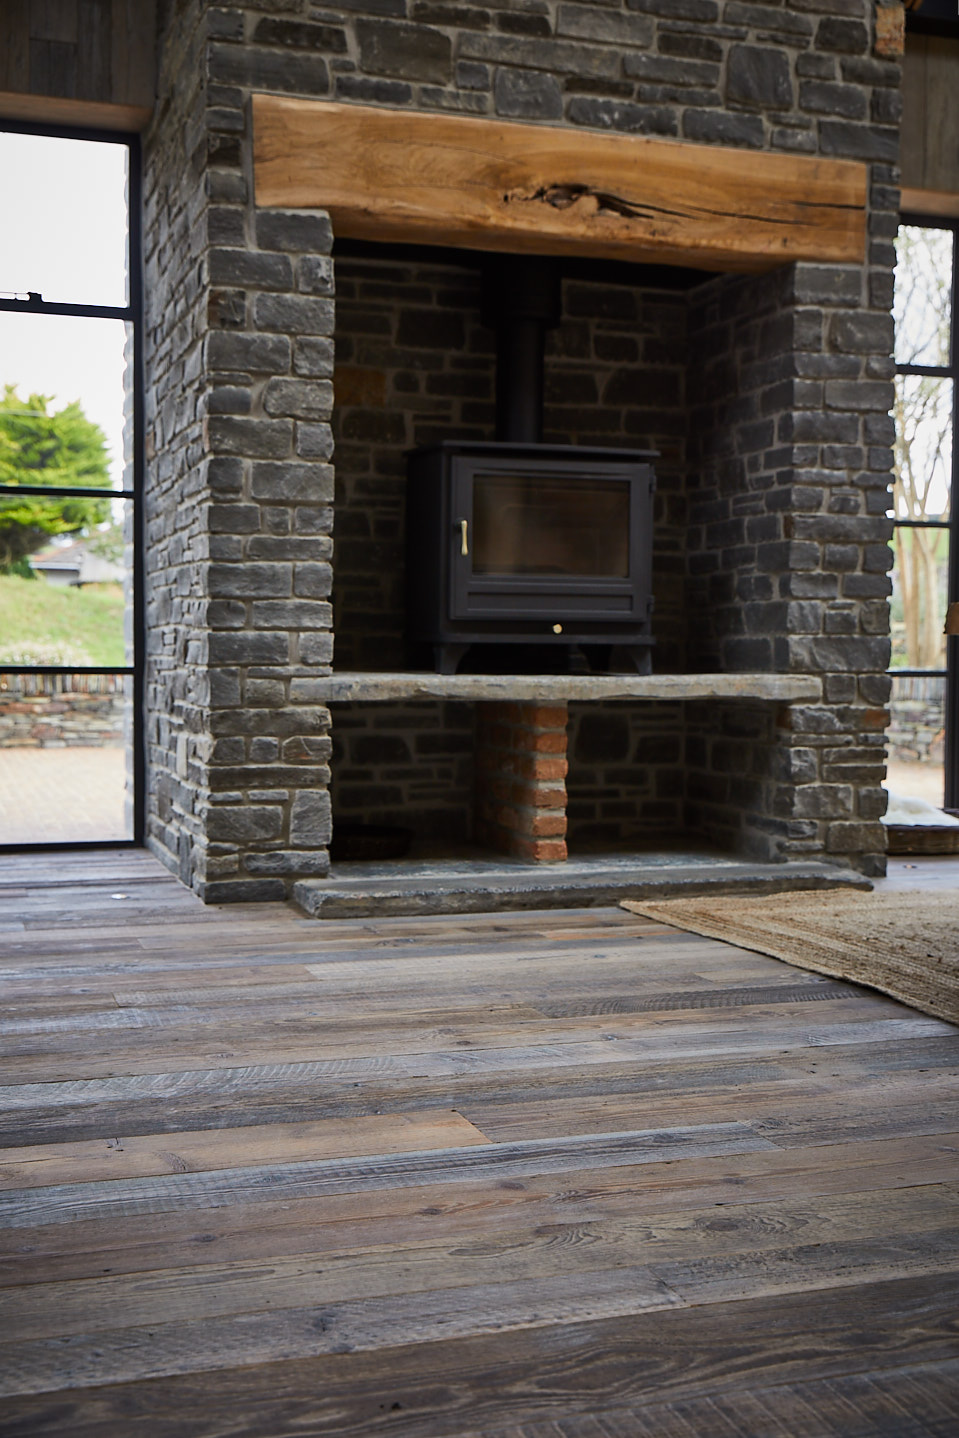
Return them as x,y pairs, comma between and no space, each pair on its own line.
903,944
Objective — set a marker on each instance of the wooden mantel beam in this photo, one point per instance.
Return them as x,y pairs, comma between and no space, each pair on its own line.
494,185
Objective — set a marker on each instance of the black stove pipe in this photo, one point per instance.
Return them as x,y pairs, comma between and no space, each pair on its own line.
521,301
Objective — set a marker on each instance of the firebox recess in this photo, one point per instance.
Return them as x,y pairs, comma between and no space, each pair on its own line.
515,543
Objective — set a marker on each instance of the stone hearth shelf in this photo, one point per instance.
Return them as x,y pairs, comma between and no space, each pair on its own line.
560,688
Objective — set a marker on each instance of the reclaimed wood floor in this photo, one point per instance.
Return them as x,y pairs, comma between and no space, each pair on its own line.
548,1175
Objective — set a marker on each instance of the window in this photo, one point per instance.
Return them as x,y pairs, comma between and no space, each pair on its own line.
923,733
70,600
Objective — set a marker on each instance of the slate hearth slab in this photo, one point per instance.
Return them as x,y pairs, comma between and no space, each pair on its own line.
482,886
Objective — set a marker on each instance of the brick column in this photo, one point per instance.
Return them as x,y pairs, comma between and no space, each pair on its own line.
521,780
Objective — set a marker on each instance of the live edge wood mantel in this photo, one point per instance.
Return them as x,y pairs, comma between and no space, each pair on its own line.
492,185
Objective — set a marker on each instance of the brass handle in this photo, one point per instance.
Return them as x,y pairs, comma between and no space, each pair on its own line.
464,537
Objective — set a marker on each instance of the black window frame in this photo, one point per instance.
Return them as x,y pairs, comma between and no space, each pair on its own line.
132,314
951,372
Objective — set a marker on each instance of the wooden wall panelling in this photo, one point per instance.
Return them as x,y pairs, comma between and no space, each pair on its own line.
929,157
80,62
14,44
93,50
53,68
54,20
133,78
493,185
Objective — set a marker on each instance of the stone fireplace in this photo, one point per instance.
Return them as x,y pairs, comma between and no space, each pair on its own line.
316,356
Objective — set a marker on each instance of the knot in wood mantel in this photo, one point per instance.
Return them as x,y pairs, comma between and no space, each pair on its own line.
563,197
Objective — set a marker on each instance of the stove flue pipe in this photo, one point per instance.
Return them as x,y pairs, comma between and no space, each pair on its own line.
521,301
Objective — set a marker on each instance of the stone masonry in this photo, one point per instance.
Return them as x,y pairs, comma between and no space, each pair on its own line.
786,393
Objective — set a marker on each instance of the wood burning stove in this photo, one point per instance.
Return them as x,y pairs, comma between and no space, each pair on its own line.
529,544
516,542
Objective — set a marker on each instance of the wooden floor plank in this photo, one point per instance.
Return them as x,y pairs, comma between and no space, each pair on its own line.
176,1348
27,1077
232,1098
148,1040
473,1211
194,1151
66,1203
785,1107
698,1255
420,1390
919,1402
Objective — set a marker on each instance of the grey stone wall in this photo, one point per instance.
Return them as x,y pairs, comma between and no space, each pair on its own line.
785,487
176,683
405,764
793,76
790,387
627,778
238,341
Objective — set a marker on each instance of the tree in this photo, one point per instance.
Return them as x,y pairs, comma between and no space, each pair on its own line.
923,414
52,450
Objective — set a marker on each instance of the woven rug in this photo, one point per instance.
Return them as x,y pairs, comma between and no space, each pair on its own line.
904,944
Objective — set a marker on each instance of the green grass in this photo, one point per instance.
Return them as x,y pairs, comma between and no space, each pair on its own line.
41,623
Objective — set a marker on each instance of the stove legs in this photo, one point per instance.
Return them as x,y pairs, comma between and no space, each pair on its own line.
446,657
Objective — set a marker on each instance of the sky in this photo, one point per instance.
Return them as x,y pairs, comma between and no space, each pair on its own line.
64,234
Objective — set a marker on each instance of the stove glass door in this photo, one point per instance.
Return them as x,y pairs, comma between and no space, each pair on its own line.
550,525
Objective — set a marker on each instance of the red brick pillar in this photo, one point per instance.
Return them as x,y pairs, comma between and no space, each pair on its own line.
521,780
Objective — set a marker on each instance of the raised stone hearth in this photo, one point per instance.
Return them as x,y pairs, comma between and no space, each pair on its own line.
466,885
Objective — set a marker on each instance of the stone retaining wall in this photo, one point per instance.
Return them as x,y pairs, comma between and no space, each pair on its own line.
918,719
40,711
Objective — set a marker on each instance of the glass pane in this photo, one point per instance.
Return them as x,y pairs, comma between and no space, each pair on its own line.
533,524
918,604
66,597
923,448
48,365
64,758
914,767
64,231
923,298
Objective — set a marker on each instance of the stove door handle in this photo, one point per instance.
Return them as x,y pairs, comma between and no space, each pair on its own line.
464,537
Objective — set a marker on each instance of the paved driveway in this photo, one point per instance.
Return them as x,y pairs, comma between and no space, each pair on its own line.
50,796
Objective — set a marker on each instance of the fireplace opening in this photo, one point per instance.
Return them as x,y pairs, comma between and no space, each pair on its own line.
641,360
523,556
